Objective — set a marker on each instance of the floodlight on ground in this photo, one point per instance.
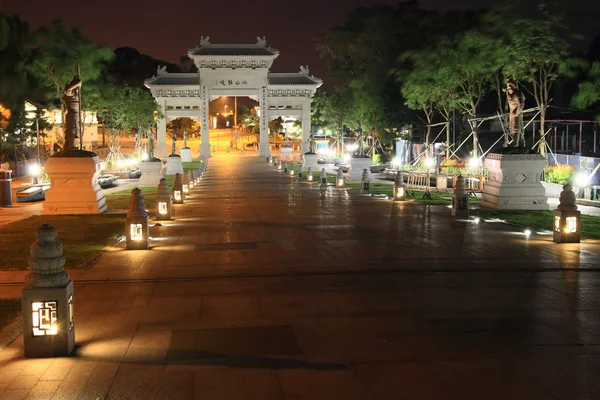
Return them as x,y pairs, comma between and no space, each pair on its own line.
34,169
527,233
429,162
581,179
474,162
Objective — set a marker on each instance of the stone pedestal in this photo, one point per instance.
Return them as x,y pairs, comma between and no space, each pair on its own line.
74,184
514,182
151,173
205,150
310,161
174,165
48,321
186,154
357,166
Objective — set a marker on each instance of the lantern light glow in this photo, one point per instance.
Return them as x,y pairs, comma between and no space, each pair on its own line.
135,232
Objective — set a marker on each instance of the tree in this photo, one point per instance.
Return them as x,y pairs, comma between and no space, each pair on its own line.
589,90
58,57
536,39
336,109
276,125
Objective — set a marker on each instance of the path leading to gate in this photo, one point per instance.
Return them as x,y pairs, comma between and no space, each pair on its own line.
264,288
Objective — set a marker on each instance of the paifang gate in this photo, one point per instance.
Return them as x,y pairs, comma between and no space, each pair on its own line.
233,70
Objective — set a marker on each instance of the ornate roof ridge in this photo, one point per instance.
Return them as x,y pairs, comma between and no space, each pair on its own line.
261,43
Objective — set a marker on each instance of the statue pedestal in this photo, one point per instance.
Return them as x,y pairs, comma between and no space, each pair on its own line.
311,160
74,184
186,154
174,165
514,182
204,149
357,165
151,173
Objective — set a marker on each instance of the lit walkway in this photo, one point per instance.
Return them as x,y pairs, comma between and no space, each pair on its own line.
263,288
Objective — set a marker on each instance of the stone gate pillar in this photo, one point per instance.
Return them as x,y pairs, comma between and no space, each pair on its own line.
161,132
204,122
306,127
263,143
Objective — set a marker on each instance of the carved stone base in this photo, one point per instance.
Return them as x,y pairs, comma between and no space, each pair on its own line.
186,154
174,165
151,173
74,186
264,149
311,160
357,165
514,182
48,321
205,150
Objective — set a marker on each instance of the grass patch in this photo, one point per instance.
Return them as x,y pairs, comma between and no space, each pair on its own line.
9,310
81,236
191,164
120,200
541,220
437,198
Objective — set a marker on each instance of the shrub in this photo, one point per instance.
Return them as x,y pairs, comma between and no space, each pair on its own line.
560,173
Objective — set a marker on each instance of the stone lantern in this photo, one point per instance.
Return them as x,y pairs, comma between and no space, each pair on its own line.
279,166
191,179
285,169
198,176
48,307
339,180
460,199
365,181
163,201
177,190
567,220
185,183
399,188
309,175
323,178
300,173
137,233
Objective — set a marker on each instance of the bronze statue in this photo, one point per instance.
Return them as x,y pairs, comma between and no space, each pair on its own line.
72,97
173,145
151,146
516,103
311,143
185,140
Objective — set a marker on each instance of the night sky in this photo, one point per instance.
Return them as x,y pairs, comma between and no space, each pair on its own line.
167,29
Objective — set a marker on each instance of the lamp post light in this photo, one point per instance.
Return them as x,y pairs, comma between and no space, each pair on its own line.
460,199
365,181
47,300
567,220
177,190
399,187
339,181
163,201
185,183
136,223
323,178
309,175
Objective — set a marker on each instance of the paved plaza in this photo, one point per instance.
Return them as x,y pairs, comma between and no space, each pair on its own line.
265,288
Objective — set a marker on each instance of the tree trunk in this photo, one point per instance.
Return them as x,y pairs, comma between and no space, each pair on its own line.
542,146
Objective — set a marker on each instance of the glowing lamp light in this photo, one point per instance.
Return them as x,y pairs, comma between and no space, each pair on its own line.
581,179
527,233
34,169
347,158
429,162
474,162
177,195
186,189
44,318
136,232
310,177
163,207
340,182
291,172
279,167
571,225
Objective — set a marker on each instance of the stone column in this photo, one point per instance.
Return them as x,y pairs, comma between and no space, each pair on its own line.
161,132
204,121
306,128
263,143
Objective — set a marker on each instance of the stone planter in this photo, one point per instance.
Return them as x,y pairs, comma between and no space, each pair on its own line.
357,166
514,182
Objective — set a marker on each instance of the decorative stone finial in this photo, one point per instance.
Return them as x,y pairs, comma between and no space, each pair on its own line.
261,41
567,199
304,70
161,70
163,189
136,204
204,40
46,260
460,189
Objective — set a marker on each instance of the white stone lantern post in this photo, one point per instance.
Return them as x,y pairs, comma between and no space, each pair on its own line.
137,232
365,181
177,190
192,179
399,188
460,199
339,180
163,201
185,183
323,178
567,220
309,175
198,176
300,173
47,300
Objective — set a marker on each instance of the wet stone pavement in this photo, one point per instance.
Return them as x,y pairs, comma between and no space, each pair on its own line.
265,288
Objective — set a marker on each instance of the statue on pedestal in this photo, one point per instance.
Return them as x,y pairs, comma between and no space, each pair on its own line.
173,144
185,136
72,98
516,103
151,146
311,144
